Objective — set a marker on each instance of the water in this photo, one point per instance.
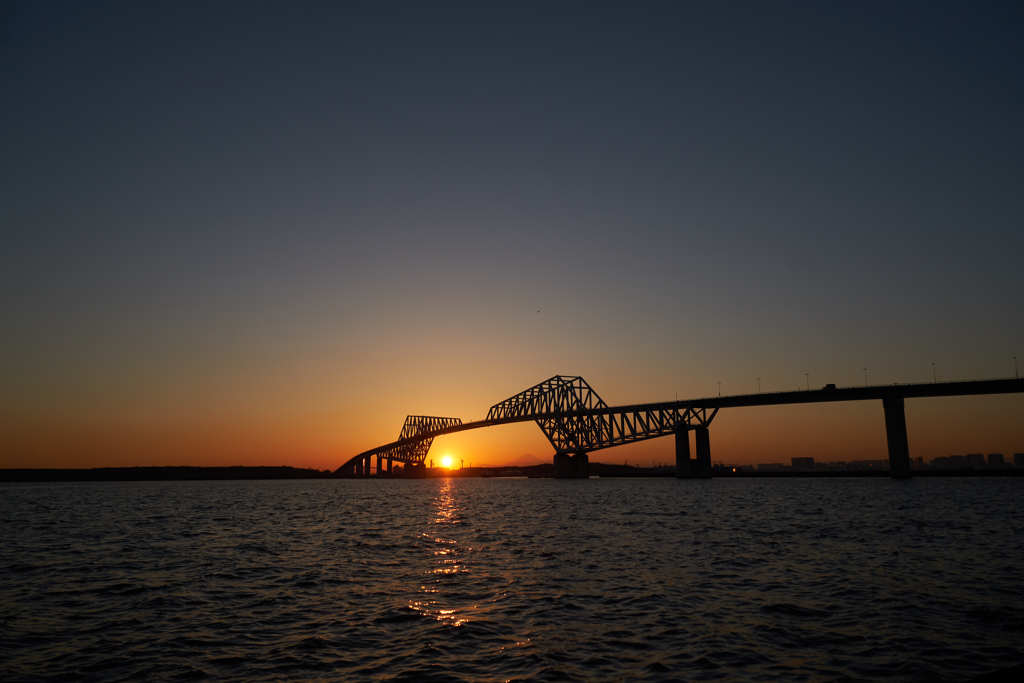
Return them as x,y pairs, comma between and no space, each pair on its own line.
497,579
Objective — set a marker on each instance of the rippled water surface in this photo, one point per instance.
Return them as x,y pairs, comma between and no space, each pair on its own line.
497,579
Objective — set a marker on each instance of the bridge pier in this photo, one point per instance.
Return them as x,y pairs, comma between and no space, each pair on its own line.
687,467
380,464
574,466
389,465
896,436
366,466
683,462
703,462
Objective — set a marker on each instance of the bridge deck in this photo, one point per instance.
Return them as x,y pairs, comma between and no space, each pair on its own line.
880,392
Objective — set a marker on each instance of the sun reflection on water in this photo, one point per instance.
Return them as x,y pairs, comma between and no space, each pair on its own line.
447,564
446,508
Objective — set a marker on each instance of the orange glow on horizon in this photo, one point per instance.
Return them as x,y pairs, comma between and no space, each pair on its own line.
322,440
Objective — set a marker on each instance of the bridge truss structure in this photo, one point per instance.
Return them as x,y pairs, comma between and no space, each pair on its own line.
416,437
576,421
573,417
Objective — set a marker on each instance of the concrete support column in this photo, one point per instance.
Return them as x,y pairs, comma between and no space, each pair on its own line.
575,466
357,468
380,464
389,465
703,464
896,435
366,466
582,465
683,462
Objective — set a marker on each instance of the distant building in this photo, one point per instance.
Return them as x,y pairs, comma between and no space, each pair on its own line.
957,462
867,465
771,467
1018,459
996,460
802,463
975,459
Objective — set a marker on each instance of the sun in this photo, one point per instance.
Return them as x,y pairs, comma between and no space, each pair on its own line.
447,461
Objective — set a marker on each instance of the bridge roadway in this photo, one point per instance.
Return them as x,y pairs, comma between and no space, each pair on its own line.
642,421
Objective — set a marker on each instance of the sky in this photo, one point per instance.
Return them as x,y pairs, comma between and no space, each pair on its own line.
264,233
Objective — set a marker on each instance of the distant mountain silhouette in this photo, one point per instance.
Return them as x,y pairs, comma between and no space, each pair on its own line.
527,460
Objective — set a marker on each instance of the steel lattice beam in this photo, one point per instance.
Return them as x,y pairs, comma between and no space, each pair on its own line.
416,437
591,432
569,412
565,395
575,419
559,394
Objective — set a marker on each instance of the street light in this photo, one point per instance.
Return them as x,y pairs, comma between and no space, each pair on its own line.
1015,373
865,376
719,387
759,383
807,377
933,372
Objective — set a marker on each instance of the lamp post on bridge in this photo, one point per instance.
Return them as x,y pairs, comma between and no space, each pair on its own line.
933,372
807,378
759,385
865,376
1016,375
719,387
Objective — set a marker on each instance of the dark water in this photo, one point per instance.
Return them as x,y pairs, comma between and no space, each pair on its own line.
495,579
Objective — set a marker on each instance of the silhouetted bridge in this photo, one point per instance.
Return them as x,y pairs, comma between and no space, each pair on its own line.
577,421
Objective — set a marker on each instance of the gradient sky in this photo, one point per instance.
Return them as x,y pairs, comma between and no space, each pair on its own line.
263,235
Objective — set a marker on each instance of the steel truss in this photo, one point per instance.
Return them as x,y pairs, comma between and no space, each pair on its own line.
575,419
584,433
410,448
569,412
560,394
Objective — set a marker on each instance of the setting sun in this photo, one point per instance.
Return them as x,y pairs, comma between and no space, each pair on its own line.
447,461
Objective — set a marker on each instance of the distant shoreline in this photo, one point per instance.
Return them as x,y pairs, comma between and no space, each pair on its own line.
184,473
187,473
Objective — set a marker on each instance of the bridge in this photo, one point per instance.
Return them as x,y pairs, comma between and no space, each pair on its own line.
577,421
